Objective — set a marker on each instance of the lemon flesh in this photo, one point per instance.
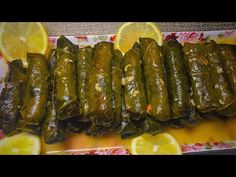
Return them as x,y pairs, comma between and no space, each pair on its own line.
16,39
160,144
20,144
130,32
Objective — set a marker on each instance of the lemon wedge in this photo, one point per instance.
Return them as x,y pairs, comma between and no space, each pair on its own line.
20,144
130,32
16,39
160,144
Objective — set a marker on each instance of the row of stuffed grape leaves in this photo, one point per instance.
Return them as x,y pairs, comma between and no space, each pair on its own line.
99,90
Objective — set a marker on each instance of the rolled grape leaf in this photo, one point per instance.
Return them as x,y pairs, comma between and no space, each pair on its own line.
33,110
117,85
156,86
52,129
127,128
226,101
228,53
84,66
65,76
134,89
100,86
11,96
178,83
10,99
198,70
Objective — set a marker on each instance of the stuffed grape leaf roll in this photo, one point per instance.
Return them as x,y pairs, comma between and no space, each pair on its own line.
134,88
228,53
65,76
127,127
100,87
198,70
84,66
11,96
117,85
178,82
52,129
35,96
226,101
156,86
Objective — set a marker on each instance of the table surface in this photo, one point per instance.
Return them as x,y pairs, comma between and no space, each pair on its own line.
93,28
